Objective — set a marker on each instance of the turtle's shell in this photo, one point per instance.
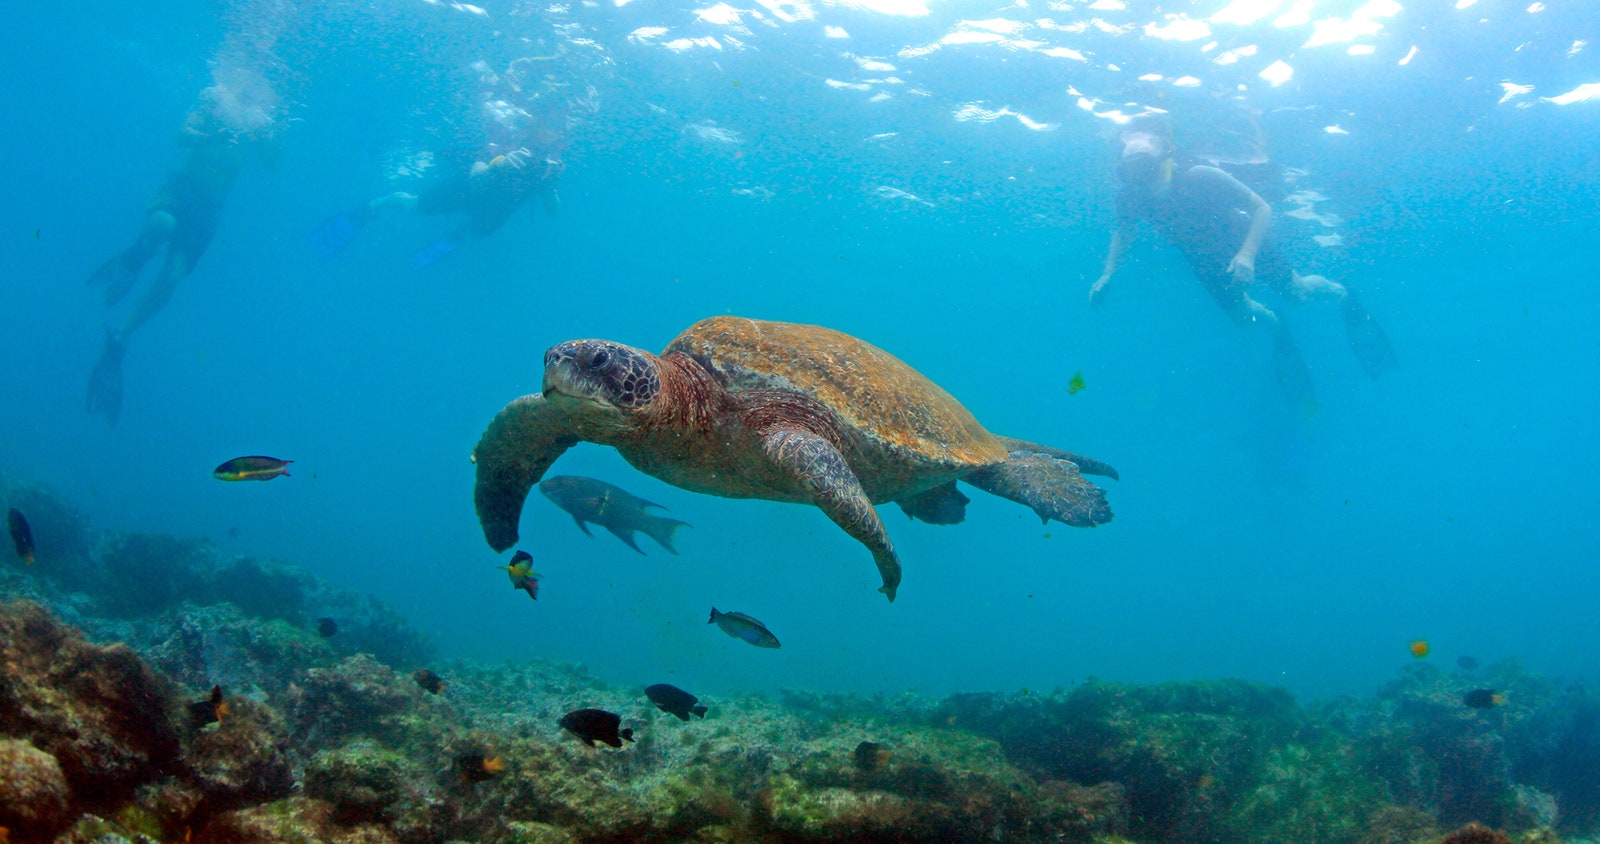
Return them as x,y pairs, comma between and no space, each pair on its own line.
871,392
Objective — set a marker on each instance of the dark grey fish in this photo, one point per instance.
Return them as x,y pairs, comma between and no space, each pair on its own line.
741,626
591,501
21,535
675,701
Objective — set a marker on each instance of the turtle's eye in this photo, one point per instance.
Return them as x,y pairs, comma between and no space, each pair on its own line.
600,359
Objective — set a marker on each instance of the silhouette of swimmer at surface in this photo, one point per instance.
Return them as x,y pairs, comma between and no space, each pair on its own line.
1223,229
488,192
222,132
513,155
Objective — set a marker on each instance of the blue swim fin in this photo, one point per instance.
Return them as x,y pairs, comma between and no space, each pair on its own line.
433,253
332,235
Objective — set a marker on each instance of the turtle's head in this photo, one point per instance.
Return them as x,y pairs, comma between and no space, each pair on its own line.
600,378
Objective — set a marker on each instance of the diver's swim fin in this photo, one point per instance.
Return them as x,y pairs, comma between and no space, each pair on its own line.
104,396
1367,340
1294,377
433,253
332,235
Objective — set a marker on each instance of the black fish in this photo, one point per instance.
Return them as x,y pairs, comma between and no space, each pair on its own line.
671,699
430,682
594,725
1467,663
474,768
21,535
1483,699
210,710
326,627
870,754
613,508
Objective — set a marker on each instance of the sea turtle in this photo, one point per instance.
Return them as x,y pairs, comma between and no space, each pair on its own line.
746,408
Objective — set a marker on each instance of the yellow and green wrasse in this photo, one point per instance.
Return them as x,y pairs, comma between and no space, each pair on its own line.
254,468
1077,383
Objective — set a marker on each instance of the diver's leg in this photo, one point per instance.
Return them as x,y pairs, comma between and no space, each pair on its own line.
173,269
118,274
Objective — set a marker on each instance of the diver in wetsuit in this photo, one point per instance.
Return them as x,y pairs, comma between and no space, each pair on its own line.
221,134
1223,229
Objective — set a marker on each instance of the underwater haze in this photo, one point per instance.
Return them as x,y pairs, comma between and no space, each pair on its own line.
936,178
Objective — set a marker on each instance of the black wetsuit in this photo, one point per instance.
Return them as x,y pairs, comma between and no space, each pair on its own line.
196,192
489,199
1206,215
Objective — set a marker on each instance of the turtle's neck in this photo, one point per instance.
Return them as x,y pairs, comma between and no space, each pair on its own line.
689,396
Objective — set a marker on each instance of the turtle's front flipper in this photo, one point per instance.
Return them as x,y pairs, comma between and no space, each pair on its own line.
524,438
1086,465
1051,486
835,488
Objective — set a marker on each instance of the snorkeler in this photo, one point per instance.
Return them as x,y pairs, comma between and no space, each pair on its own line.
1223,229
515,158
487,191
220,134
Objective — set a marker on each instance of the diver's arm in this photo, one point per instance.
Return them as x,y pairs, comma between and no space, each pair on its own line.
1120,238
1260,221
1243,265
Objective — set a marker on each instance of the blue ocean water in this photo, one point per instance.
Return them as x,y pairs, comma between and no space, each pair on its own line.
934,178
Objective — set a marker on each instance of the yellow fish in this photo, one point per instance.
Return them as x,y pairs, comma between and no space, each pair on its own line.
1077,383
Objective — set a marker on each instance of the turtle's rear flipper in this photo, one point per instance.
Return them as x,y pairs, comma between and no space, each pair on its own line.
942,505
1086,465
524,438
822,470
1050,486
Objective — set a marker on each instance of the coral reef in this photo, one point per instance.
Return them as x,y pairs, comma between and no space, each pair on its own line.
332,740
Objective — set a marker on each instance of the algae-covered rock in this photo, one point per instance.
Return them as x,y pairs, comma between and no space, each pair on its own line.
360,780
243,759
295,820
33,790
98,710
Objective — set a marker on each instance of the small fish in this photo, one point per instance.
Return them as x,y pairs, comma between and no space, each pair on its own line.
870,754
594,725
613,508
429,681
326,627
21,535
474,768
741,626
1482,699
675,701
1467,663
522,574
251,469
1419,648
209,710
1077,383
